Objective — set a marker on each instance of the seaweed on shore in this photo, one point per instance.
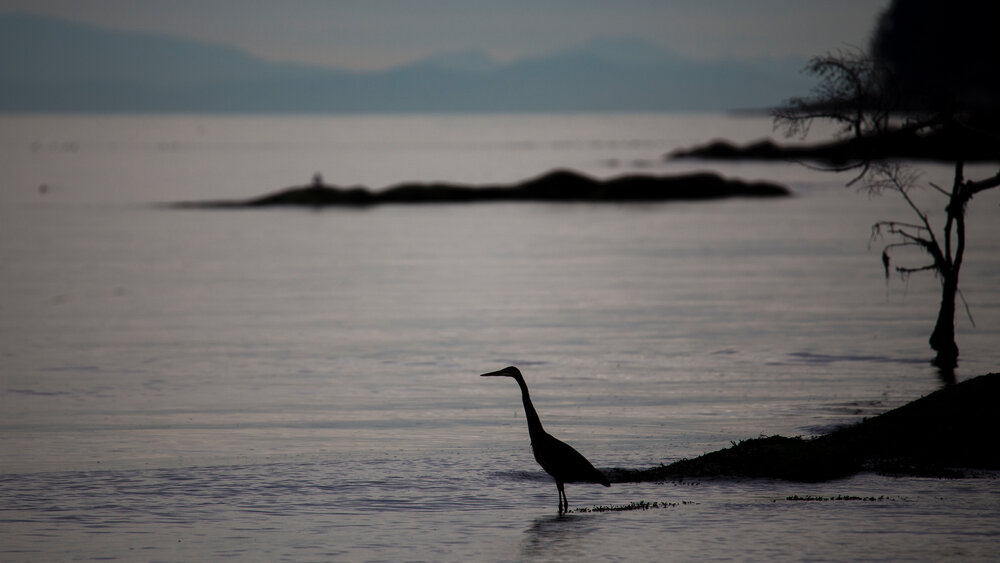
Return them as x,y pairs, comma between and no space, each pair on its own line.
632,506
942,435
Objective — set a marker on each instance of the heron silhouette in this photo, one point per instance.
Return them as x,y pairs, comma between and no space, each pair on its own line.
556,457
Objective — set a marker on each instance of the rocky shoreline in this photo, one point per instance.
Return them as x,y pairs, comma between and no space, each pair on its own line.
556,186
942,146
947,433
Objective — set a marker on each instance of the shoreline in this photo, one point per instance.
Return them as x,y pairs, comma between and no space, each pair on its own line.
947,434
942,146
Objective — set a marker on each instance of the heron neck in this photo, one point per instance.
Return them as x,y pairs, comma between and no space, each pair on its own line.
534,424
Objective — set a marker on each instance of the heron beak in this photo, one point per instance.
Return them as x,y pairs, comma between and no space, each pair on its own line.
494,373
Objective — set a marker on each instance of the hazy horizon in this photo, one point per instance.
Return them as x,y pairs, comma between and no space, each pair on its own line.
53,64
382,35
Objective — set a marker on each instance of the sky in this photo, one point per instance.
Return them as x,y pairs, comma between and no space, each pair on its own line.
378,34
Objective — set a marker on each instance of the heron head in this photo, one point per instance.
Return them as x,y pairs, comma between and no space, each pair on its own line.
509,371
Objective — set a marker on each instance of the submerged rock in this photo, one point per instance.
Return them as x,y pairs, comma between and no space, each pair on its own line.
559,185
943,434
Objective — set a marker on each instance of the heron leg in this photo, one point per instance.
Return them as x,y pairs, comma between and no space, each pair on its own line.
563,501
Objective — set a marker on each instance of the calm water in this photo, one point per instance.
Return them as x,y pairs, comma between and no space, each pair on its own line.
301,385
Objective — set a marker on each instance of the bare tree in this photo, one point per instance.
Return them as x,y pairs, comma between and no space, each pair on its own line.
927,81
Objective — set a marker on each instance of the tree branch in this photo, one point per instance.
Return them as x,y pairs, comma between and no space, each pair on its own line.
972,188
968,311
899,229
940,189
908,271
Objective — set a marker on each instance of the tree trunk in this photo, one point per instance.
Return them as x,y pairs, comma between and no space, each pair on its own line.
943,338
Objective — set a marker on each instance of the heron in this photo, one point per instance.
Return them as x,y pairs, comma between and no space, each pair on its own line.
557,458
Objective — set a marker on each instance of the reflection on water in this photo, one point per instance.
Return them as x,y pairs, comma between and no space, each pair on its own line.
304,386
947,375
558,535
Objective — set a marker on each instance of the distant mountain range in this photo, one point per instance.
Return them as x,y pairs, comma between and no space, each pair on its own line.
52,65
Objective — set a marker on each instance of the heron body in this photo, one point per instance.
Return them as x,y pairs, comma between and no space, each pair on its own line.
557,458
